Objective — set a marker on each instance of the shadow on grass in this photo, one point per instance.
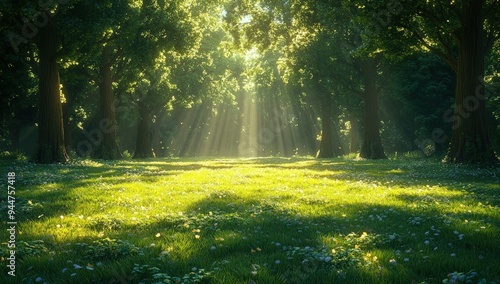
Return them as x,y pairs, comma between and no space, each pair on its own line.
246,240
245,232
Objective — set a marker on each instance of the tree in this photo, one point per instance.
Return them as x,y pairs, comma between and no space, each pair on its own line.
208,87
470,141
18,93
296,24
371,147
462,33
416,82
51,147
317,63
154,38
108,148
285,28
103,31
42,25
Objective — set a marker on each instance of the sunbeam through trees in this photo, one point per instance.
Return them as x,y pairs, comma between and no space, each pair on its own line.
250,141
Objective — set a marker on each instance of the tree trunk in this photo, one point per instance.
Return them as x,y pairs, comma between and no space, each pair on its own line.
327,148
50,148
108,149
337,144
143,145
470,141
372,144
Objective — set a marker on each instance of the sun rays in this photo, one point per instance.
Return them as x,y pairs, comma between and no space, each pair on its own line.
260,118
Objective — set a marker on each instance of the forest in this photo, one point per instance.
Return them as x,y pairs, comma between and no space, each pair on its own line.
250,141
250,78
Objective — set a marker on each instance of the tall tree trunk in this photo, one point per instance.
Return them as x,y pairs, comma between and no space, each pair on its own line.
50,148
108,149
470,141
372,144
143,144
337,144
328,147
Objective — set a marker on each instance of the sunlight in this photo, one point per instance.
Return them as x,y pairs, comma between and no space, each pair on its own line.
186,140
153,141
248,143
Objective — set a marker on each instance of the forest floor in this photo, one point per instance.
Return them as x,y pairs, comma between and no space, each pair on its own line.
265,220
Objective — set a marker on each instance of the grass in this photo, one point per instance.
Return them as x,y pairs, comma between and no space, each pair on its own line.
267,220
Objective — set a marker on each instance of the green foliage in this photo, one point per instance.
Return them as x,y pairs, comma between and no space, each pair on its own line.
408,121
460,277
104,223
348,252
107,249
26,249
126,155
17,156
147,274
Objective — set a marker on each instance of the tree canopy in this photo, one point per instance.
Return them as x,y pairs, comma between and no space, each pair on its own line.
150,78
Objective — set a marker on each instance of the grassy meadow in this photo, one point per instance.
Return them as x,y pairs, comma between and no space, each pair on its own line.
264,220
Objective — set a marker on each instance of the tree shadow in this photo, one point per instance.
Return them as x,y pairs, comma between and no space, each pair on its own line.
247,230
279,245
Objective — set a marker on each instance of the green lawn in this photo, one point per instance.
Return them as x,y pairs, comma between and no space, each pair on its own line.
268,220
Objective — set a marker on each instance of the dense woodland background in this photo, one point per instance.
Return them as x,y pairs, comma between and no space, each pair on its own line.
113,78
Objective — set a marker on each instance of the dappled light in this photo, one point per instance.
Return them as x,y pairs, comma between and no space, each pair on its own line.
268,219
269,141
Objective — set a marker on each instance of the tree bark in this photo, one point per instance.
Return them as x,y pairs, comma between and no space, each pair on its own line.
371,147
143,143
470,141
328,147
50,148
108,149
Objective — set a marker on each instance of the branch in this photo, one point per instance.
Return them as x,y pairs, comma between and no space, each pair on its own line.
85,71
119,69
457,13
490,8
446,44
425,13
447,57
117,55
346,84
383,83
